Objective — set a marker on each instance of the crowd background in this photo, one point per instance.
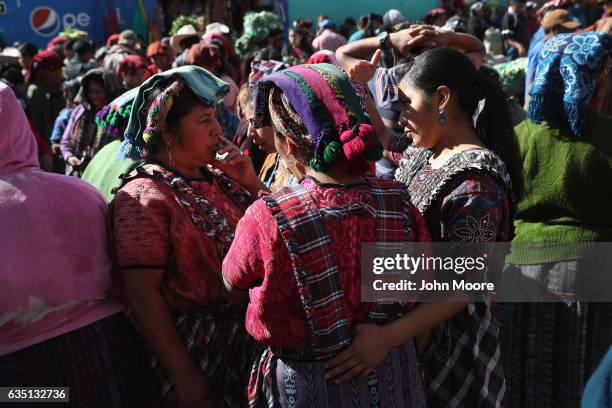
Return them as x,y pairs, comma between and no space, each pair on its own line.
97,112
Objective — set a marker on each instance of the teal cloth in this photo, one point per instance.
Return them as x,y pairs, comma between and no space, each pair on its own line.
204,84
568,190
106,166
566,79
357,35
598,390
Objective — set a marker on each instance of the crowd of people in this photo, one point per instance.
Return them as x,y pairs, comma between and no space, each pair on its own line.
182,221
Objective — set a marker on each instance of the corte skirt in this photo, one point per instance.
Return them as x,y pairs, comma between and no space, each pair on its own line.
104,364
284,383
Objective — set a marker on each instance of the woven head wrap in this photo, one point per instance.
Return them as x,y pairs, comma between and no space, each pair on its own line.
321,104
113,118
44,61
566,77
147,116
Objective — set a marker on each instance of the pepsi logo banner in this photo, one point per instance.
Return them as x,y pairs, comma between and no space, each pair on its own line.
38,21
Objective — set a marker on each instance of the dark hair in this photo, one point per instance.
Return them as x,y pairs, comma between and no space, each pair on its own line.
188,42
363,22
12,73
494,127
368,30
69,45
28,49
82,47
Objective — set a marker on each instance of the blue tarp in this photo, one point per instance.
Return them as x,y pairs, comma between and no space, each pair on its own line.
38,21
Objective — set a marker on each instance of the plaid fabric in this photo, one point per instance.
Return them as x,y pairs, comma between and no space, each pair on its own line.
103,364
219,344
462,364
301,224
314,268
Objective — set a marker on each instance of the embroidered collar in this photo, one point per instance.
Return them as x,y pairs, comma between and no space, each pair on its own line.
424,192
203,213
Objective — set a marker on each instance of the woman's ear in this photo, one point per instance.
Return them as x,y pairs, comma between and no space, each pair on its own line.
291,147
444,95
167,137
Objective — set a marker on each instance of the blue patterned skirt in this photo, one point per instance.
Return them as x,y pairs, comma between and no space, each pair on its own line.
283,383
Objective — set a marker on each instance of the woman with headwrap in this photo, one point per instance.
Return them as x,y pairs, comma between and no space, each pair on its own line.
132,70
59,325
82,138
463,173
258,143
566,149
44,98
70,90
106,167
173,222
296,254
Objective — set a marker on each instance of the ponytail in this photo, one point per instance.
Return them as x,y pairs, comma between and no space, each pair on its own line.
491,121
494,127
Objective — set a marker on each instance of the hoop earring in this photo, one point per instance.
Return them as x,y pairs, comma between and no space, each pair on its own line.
441,118
170,160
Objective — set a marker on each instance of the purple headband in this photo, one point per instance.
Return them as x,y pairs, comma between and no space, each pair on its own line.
293,93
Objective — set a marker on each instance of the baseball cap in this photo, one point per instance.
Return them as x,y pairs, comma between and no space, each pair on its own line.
559,17
393,17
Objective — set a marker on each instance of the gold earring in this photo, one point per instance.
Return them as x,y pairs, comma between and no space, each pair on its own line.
171,162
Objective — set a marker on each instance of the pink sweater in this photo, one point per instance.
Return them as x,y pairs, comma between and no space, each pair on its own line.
55,269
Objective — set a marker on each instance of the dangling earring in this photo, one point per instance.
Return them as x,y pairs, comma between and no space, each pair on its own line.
441,117
171,162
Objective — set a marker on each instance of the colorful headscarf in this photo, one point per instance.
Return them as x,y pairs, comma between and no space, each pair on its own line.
322,107
213,38
130,64
566,77
44,61
261,68
113,118
145,114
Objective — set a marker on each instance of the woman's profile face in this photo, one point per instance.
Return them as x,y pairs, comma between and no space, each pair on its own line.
418,118
197,137
262,137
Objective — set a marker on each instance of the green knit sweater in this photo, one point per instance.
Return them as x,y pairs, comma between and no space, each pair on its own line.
568,190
